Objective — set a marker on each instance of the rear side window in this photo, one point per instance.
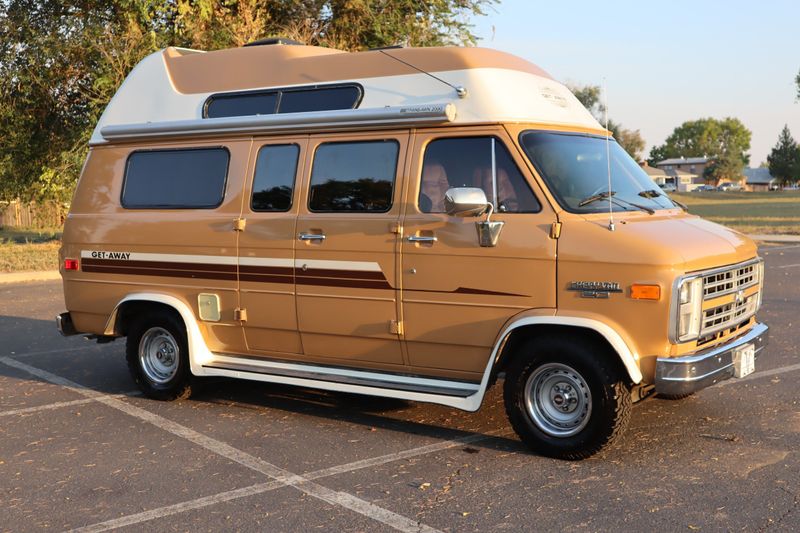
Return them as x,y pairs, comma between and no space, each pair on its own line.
273,183
175,179
353,177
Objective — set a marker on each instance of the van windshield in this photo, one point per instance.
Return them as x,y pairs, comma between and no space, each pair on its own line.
575,168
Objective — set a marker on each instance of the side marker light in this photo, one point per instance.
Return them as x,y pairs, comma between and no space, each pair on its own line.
640,291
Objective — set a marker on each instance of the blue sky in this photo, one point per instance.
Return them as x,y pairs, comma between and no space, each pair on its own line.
665,62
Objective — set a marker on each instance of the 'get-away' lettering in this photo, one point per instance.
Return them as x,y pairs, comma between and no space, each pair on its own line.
111,255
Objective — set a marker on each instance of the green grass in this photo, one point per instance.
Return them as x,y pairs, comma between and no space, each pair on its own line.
29,257
775,212
29,249
29,235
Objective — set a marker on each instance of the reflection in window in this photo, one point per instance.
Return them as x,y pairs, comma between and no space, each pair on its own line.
467,162
353,177
273,182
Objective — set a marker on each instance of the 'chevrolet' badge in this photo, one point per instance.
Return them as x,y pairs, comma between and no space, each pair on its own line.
594,289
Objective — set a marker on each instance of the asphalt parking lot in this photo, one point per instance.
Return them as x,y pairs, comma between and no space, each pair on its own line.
79,449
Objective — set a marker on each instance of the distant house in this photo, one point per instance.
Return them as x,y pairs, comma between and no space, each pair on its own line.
759,179
657,175
685,180
692,165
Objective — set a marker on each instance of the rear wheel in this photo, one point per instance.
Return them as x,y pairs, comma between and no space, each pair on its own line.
158,356
565,398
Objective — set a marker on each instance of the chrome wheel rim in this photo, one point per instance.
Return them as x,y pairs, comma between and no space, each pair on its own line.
159,355
558,400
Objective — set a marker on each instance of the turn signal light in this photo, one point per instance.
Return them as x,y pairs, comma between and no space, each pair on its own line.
70,264
645,292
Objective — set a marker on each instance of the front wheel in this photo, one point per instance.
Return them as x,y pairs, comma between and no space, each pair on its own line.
158,356
565,398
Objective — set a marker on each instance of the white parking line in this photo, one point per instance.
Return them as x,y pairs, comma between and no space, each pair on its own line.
789,266
260,488
60,350
59,405
762,374
178,508
343,499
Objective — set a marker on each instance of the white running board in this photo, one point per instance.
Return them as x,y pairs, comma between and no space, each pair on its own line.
425,389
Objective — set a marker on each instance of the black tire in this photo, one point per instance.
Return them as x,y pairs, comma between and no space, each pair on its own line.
158,356
675,397
561,374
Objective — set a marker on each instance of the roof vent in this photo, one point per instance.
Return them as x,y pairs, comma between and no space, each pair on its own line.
269,41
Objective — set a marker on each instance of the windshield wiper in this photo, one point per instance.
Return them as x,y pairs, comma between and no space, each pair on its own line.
637,206
652,193
606,195
595,197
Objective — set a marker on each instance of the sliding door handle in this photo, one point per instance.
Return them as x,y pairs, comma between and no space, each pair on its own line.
311,237
422,238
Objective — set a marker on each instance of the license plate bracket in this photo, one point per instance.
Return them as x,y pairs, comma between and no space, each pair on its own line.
744,360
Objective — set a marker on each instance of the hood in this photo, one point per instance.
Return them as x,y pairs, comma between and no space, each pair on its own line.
685,242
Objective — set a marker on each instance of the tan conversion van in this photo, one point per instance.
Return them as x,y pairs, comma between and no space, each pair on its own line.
410,223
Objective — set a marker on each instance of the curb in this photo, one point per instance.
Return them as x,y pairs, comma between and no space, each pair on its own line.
21,277
776,238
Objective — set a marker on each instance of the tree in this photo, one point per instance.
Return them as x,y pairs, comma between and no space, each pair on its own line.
724,142
630,140
797,82
62,60
784,159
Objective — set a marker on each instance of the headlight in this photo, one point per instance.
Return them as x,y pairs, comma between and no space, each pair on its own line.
690,301
760,274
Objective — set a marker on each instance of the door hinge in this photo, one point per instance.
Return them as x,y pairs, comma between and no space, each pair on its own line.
239,224
396,327
240,314
555,230
396,228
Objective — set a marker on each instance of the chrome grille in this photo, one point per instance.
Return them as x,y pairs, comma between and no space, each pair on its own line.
726,281
724,316
720,283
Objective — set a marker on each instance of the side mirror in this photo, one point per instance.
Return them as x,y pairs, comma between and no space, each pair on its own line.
472,202
465,202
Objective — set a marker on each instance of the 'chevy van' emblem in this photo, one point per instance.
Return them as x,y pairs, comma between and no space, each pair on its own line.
594,289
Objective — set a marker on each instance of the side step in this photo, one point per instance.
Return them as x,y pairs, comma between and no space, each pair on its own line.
345,376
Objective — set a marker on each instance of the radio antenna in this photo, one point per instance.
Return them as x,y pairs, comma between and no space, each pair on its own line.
460,90
611,226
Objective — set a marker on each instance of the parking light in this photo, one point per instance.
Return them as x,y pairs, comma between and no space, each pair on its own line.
70,264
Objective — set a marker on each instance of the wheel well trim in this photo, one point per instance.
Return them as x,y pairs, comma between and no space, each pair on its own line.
198,349
628,357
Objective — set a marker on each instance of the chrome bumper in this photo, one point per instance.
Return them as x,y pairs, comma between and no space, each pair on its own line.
690,373
65,325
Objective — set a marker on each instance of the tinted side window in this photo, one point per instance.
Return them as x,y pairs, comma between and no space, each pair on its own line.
353,177
273,183
467,162
164,179
241,105
282,101
319,99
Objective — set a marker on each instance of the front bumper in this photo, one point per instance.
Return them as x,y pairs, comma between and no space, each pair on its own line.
684,375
